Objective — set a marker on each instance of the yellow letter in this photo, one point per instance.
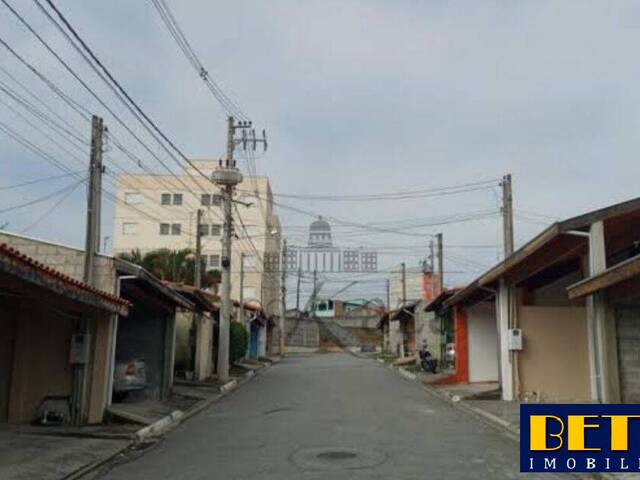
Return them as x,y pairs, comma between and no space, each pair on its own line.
575,431
538,432
620,431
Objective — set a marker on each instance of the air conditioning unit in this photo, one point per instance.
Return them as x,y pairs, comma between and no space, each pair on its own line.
515,339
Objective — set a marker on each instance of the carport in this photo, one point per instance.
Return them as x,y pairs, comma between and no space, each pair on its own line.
39,362
149,331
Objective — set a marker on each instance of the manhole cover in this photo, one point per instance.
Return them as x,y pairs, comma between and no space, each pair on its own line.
341,458
338,455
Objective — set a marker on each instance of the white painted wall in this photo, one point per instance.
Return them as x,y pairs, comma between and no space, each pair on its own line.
483,343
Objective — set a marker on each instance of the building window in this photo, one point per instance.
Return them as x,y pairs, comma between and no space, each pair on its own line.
204,230
176,228
248,293
205,199
165,199
216,200
177,199
132,198
214,261
129,228
216,230
164,228
250,261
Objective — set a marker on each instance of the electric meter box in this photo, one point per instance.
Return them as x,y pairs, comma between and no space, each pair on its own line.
515,339
79,352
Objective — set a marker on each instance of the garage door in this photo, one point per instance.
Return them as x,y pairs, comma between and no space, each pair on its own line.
628,333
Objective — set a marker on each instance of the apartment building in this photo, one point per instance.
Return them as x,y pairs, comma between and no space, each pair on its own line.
159,211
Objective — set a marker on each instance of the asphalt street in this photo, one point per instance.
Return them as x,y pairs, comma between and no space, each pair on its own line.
329,416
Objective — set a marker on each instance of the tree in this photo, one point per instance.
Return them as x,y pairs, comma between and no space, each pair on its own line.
238,341
172,265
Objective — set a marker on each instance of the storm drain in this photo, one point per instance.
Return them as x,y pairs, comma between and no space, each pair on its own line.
332,458
337,455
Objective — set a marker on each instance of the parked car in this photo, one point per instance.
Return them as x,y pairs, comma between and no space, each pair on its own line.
129,376
450,355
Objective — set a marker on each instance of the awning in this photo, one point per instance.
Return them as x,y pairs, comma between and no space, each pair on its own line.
14,263
618,273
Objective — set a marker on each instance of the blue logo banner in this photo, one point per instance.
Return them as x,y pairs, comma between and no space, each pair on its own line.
580,438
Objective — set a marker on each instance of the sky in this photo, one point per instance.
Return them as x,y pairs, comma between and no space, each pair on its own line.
357,97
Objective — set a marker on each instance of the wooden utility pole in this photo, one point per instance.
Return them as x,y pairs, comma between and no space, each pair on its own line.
507,215
92,238
298,290
404,284
388,295
440,260
81,338
283,300
198,263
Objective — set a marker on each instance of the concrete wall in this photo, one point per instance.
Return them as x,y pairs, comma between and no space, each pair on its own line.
482,342
67,260
361,321
554,362
396,346
302,333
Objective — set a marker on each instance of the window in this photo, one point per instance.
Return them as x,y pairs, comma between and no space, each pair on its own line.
250,261
132,198
129,228
177,199
165,199
214,261
176,228
164,228
216,200
204,230
205,199
248,293
216,230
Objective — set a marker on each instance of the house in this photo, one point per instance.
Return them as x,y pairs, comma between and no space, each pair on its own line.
196,336
562,333
148,332
54,350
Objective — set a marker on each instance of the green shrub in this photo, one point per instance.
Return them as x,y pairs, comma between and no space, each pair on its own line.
238,338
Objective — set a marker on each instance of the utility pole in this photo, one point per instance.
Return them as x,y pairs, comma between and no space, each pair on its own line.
315,283
507,215
81,339
404,284
283,300
298,290
440,260
432,263
92,238
198,265
388,296
227,176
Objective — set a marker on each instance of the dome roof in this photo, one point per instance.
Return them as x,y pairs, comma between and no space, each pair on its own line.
320,225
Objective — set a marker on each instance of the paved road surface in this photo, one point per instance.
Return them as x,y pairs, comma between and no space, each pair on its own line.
329,416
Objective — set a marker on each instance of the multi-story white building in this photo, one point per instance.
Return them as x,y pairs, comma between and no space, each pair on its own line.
159,211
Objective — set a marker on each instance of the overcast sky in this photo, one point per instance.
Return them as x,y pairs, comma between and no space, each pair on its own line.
361,97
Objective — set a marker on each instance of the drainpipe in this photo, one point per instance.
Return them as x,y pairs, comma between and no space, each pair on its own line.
112,340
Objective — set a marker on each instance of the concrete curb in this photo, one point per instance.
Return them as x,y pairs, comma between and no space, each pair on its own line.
165,424
407,374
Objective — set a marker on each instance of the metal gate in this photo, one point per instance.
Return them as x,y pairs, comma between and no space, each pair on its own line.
628,337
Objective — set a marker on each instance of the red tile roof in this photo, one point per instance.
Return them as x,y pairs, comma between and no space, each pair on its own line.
41,268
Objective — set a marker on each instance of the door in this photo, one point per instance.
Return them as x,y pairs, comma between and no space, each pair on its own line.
628,336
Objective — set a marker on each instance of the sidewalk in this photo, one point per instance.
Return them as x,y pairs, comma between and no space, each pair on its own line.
56,453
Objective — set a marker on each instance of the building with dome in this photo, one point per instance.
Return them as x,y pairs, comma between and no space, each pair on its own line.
321,255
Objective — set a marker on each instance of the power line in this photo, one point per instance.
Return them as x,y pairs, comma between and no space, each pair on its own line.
39,180
41,199
48,212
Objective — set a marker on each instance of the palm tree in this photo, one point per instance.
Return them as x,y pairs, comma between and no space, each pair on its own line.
172,265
